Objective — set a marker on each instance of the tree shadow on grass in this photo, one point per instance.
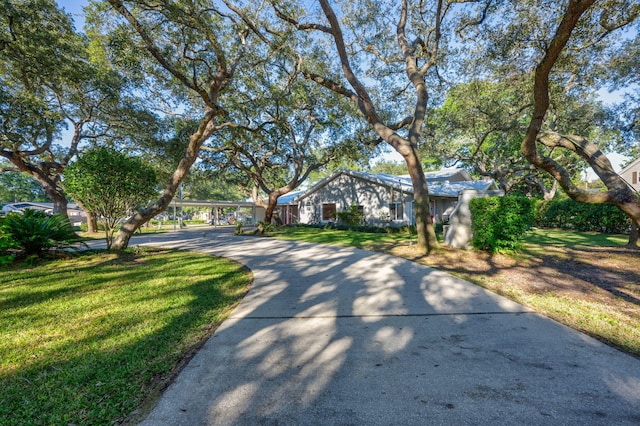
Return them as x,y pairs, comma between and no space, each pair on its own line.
120,359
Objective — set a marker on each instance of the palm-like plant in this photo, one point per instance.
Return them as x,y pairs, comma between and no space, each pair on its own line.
36,232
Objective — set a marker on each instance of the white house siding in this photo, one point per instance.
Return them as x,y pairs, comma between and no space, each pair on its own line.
631,174
346,190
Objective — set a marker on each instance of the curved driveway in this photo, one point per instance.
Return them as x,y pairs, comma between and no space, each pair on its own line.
337,336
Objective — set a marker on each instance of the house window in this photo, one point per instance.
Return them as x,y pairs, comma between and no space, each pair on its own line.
329,211
395,211
634,178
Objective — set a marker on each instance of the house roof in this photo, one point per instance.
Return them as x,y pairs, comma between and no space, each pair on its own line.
289,198
19,206
446,183
630,166
451,174
452,189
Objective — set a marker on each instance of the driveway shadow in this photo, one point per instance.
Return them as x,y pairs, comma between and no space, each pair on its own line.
331,335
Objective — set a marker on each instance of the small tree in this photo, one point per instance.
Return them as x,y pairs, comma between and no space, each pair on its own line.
110,184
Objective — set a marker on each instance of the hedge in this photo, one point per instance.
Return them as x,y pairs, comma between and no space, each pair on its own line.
569,214
499,224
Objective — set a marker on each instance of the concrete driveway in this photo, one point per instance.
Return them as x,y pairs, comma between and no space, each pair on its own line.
337,336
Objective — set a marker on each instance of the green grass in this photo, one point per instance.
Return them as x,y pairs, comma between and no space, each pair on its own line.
86,340
574,238
363,240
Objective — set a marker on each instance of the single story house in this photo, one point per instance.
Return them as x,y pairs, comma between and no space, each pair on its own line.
631,174
387,200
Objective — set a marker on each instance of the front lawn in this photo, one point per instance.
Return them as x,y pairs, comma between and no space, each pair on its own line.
544,237
363,240
87,340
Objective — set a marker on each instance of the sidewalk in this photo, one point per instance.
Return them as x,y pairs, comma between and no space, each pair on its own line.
337,336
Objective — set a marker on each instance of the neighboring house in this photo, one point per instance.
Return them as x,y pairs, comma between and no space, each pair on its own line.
76,215
387,200
631,174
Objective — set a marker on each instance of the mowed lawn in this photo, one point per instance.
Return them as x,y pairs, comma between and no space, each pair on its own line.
544,237
88,340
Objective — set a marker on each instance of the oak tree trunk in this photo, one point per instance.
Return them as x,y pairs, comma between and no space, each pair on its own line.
141,216
633,234
427,240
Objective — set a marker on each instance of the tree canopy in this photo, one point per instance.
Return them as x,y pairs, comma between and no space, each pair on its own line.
505,87
57,93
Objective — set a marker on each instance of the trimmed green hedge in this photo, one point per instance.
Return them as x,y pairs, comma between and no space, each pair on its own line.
569,214
499,224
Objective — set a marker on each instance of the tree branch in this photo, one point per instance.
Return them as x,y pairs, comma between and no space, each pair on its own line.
155,52
297,24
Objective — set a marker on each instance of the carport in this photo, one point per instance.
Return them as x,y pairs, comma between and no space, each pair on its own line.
219,211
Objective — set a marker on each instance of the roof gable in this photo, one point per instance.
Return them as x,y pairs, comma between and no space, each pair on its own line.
631,166
397,182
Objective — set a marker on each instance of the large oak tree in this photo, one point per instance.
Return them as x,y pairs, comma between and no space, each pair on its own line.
291,129
385,58
577,35
186,55
56,95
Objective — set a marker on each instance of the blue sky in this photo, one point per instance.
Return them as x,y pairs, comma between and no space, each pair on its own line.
74,7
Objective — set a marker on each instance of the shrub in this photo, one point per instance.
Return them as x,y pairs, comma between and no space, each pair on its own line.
570,214
7,246
499,224
35,232
352,216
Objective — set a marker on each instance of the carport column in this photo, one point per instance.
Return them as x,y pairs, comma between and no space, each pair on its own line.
405,215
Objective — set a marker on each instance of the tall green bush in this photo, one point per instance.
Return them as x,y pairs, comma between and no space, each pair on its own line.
569,214
499,224
110,184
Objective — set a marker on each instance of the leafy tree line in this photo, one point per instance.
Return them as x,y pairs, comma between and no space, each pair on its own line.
569,214
501,223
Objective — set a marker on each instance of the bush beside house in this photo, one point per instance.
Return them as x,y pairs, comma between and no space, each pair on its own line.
499,224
